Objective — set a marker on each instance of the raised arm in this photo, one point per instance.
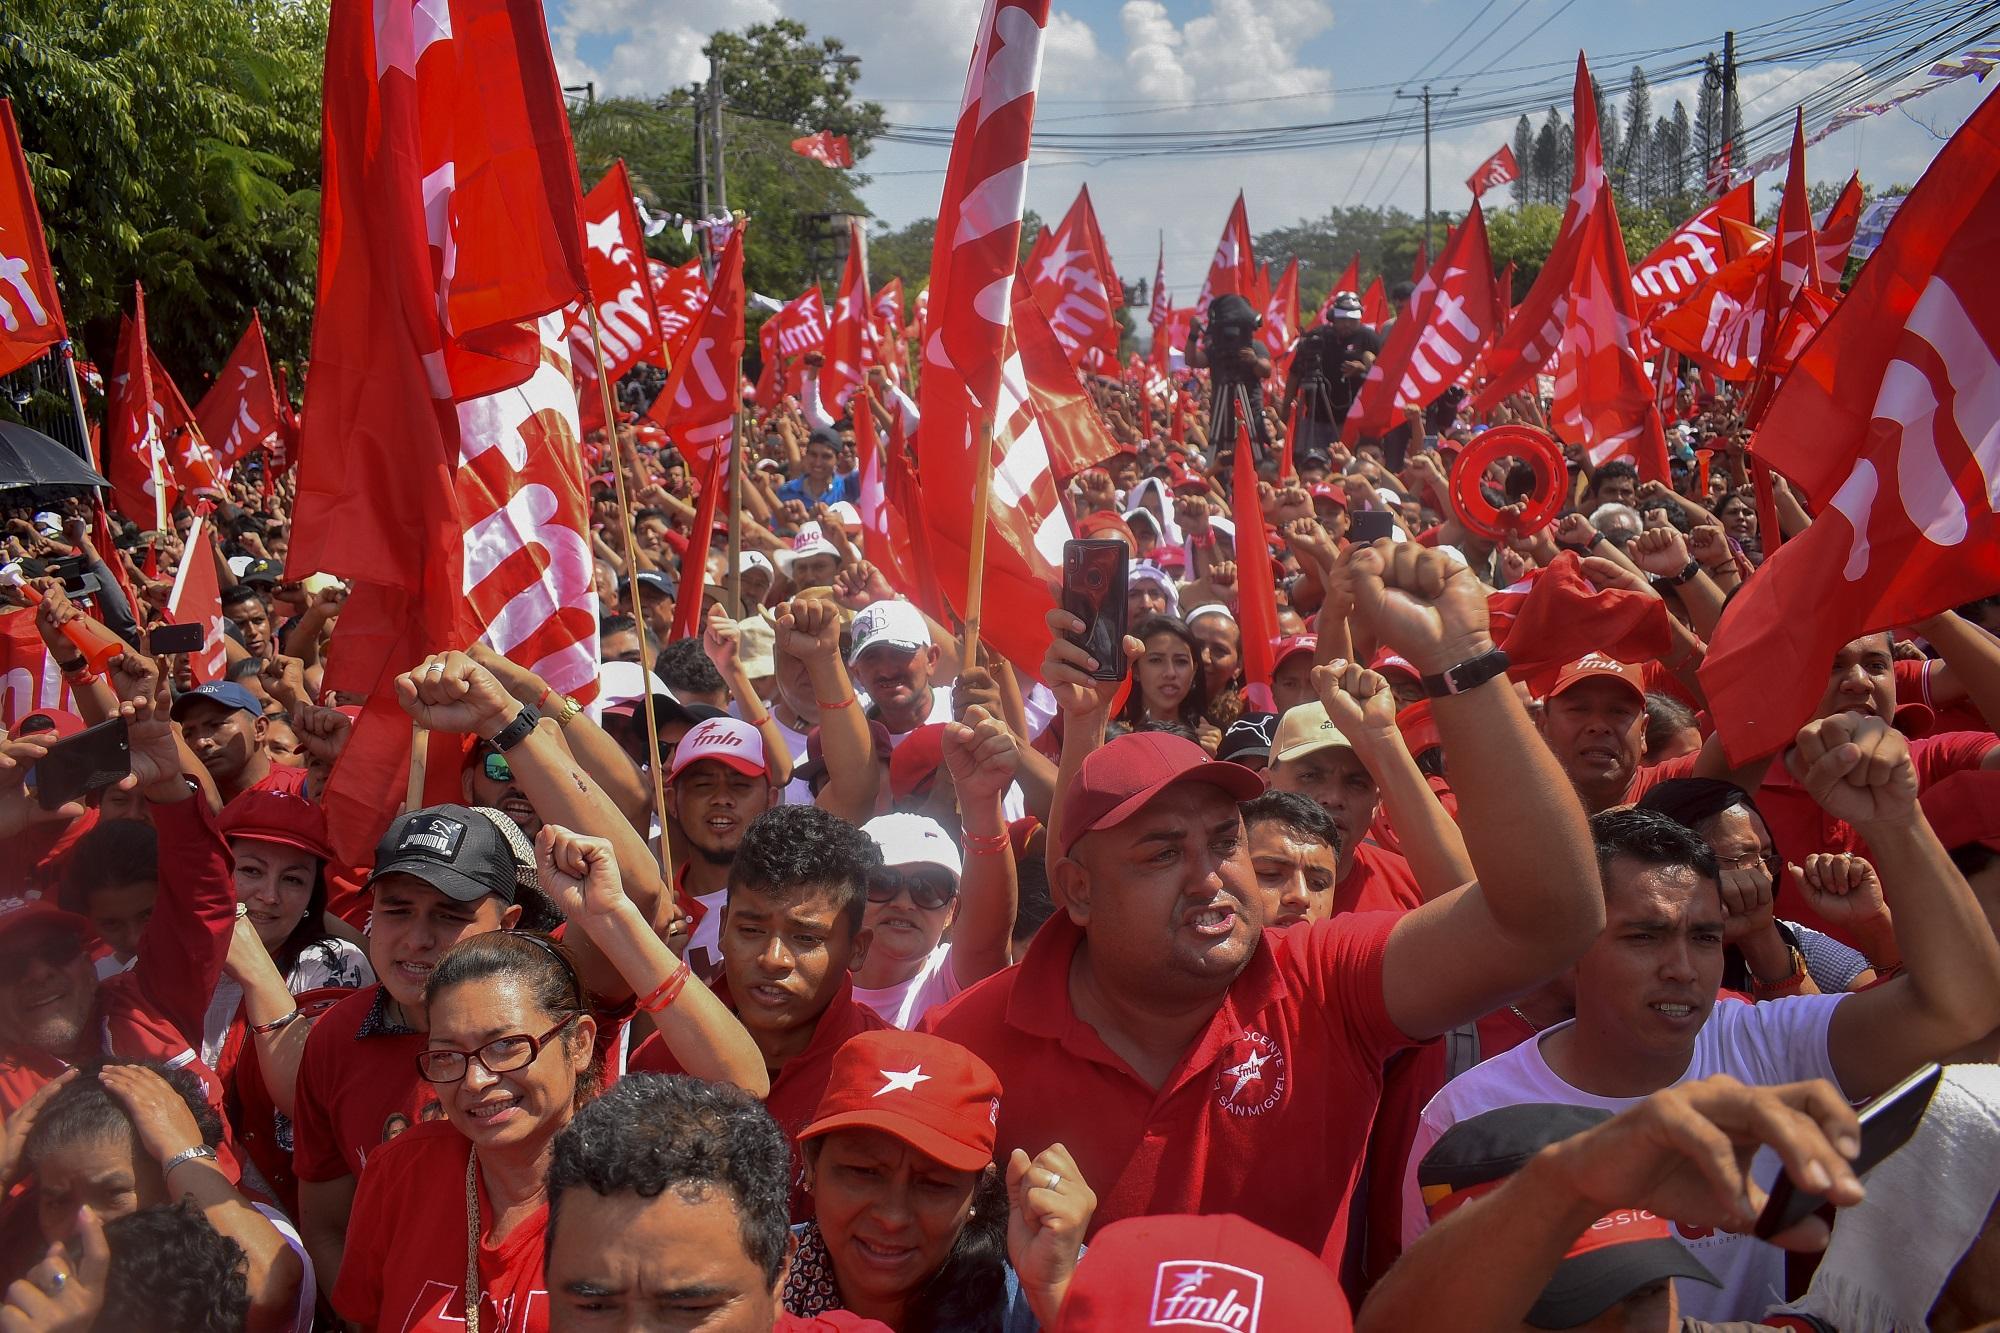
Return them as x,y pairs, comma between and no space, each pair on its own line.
1084,704
1948,993
723,643
593,747
809,630
581,875
1971,665
1537,903
982,757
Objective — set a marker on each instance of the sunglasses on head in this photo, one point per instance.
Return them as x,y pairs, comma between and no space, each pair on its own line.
58,949
930,887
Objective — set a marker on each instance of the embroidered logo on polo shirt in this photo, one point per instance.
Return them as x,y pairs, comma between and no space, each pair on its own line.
1250,1078
1199,1293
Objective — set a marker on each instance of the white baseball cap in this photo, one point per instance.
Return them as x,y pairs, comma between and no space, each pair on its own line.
849,516
735,743
810,540
914,840
749,560
622,682
896,623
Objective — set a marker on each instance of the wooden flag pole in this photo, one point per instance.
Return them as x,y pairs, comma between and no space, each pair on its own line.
975,573
420,743
632,583
76,404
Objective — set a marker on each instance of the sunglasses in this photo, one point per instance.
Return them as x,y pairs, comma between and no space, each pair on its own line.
56,950
502,1055
494,765
929,888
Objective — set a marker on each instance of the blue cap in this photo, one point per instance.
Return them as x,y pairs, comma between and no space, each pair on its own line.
228,693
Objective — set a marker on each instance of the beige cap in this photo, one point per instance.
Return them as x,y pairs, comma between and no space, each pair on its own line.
1303,730
757,643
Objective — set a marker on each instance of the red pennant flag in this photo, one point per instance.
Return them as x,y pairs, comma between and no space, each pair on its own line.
972,261
197,599
699,404
621,285
1694,252
1886,415
1374,305
800,326
1503,297
239,413
1421,262
1721,325
680,294
1798,256
1535,333
133,460
889,308
1450,318
1234,268
189,461
914,569
847,341
1281,318
1720,174
1076,435
439,470
1349,281
1256,585
694,560
1069,271
1260,288
1835,236
31,319
1603,398
826,148
1495,171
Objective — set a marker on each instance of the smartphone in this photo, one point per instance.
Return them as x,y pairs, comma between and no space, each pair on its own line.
1886,1125
77,580
166,640
1094,592
1370,525
96,757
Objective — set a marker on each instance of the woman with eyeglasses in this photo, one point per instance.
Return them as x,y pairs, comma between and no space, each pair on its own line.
449,1216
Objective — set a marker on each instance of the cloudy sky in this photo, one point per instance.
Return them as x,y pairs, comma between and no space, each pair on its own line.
1159,66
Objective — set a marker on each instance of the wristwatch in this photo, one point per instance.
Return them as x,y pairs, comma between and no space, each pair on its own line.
1688,571
516,731
1467,675
188,1155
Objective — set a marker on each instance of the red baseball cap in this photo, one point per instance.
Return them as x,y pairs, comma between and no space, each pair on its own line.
1597,666
933,1094
1965,809
1291,644
63,723
1104,523
20,913
290,819
1419,728
1334,495
1218,1271
1117,780
1387,662
914,763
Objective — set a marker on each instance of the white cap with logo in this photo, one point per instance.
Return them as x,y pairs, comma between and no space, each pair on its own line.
914,840
737,744
896,623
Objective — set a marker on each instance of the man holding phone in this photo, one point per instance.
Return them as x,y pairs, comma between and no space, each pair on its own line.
1647,1015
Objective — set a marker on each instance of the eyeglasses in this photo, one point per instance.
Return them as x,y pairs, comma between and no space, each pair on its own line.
495,766
1749,861
57,950
502,1055
927,891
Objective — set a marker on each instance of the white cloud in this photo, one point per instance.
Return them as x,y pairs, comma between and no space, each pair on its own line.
647,55
1152,52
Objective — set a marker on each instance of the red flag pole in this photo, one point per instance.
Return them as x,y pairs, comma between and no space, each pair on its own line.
653,765
982,504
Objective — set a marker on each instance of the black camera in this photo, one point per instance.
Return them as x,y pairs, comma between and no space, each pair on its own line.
1227,337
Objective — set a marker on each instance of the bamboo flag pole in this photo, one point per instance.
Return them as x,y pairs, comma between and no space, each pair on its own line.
975,574
632,582
420,744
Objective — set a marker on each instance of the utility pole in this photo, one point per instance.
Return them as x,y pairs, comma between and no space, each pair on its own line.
1729,92
1427,97
715,102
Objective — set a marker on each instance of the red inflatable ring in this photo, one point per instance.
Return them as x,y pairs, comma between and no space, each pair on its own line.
1539,450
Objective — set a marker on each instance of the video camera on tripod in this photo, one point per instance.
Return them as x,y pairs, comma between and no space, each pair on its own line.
1229,348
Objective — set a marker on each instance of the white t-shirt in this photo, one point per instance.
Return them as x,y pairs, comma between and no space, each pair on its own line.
302,1316
904,1004
329,962
1778,1041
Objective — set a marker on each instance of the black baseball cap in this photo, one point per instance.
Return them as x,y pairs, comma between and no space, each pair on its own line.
262,571
453,848
1249,736
1617,1255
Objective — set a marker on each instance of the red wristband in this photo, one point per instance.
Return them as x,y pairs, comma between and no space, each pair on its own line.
667,991
985,844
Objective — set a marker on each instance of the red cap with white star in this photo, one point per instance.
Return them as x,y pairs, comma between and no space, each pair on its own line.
933,1094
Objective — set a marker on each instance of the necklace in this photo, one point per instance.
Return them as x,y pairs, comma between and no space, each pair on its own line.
472,1228
1513,1009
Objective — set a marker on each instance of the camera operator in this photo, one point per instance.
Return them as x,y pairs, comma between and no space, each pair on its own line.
1328,367
1237,364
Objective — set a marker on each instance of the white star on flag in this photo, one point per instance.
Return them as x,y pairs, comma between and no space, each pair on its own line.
902,1081
604,236
1057,260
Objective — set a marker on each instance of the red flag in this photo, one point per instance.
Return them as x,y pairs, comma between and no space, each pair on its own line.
1495,171
1374,305
1692,253
972,264
239,413
1162,306
1260,288
31,319
1887,415
915,571
1721,325
680,294
1281,317
1256,585
197,599
29,676
826,148
1349,281
438,470
133,461
1421,262
694,561
871,492
1450,318
847,341
1077,437
1720,175
800,326
699,404
889,307
1069,271
1535,332
1798,256
1603,398
1234,268
1554,616
1836,235
621,286
189,461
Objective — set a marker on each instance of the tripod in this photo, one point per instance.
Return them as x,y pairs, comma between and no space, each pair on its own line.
1229,401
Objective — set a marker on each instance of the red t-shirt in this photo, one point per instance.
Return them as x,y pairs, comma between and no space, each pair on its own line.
1913,687
404,1267
1267,1113
796,1087
1379,881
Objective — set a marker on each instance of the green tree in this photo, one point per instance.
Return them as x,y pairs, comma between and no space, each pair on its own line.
905,252
1386,239
176,143
776,72
1524,159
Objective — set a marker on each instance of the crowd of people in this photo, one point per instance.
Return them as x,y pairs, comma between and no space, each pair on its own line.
1452,978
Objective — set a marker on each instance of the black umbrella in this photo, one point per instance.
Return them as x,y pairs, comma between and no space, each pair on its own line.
30,458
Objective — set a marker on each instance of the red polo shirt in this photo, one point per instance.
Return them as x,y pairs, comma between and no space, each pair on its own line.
1267,1113
797,1085
1379,881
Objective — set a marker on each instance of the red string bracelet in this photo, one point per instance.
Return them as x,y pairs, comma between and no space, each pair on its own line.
985,844
667,991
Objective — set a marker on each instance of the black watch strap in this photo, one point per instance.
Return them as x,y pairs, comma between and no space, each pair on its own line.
516,731
1467,675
